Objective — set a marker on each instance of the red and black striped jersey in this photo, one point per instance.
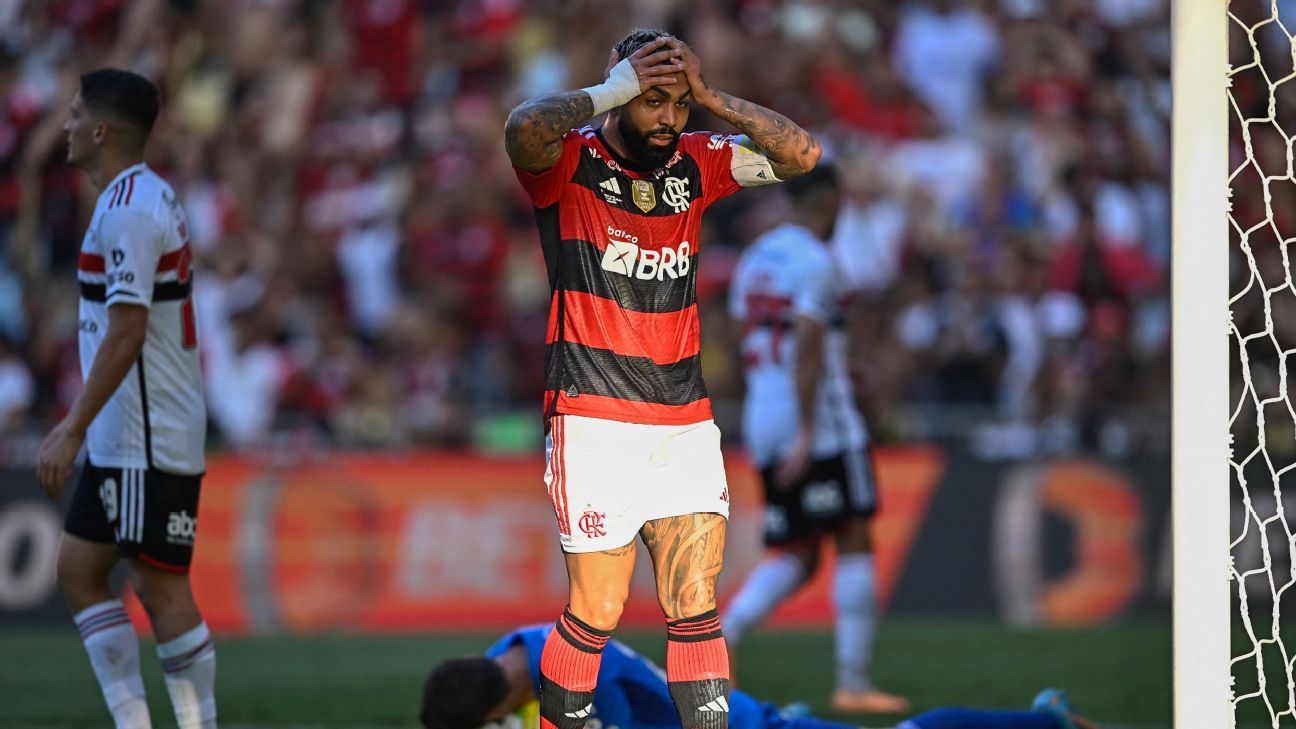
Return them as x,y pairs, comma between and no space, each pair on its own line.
622,249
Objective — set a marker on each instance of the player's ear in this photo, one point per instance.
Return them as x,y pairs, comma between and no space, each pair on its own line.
612,61
100,131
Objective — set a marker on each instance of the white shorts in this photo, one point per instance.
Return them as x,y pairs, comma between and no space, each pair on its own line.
607,478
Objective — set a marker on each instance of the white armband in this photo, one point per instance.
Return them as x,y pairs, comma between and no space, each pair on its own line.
749,165
621,86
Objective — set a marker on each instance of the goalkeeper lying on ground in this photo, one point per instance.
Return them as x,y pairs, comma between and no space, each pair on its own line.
501,688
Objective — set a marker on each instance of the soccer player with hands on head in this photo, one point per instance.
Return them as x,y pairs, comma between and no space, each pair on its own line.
631,445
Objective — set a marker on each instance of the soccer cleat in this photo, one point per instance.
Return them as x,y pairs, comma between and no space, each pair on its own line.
1054,701
872,701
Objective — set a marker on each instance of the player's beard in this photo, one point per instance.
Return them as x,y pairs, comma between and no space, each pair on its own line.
642,152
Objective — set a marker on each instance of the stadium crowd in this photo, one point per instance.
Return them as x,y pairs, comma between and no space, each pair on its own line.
369,272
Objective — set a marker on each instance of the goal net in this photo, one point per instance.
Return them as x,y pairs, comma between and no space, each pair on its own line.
1262,335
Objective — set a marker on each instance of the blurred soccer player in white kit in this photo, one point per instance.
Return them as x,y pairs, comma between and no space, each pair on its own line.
805,434
141,414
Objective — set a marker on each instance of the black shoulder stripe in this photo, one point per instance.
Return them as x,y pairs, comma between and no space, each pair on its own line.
674,192
168,291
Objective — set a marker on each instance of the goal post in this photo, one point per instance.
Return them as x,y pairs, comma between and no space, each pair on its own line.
1199,286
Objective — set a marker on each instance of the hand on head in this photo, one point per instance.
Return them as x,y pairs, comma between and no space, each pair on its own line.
691,66
655,64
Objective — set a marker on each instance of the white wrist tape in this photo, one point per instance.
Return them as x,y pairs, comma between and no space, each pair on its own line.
621,86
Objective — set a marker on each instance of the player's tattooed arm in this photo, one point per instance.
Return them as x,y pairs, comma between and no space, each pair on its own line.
534,131
687,553
791,150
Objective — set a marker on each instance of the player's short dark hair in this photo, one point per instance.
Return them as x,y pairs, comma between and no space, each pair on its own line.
126,98
820,179
638,38
460,692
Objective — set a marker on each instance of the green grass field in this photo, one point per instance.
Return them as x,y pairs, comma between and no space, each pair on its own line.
1119,675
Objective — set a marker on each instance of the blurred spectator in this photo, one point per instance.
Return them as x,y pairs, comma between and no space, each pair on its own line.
244,384
17,388
945,49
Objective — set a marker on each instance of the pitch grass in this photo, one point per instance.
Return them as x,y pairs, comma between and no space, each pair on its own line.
1120,675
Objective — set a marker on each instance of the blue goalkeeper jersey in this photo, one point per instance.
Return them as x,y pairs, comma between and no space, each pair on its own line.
954,718
632,691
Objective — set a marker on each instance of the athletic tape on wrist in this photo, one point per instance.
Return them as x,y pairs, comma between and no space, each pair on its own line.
621,86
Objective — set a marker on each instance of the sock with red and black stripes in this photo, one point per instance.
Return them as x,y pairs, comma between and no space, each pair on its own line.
569,667
114,654
189,666
697,671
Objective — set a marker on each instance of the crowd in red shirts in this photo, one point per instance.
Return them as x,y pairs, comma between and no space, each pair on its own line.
368,268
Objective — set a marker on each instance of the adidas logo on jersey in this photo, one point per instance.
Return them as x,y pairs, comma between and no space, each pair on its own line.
582,713
717,704
628,259
611,191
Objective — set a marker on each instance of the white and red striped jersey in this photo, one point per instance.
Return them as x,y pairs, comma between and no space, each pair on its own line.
136,251
784,274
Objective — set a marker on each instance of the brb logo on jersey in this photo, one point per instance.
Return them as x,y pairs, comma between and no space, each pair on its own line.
624,256
591,522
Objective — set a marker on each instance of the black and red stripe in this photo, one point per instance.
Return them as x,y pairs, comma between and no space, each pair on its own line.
122,191
581,635
165,291
664,338
603,372
624,340
580,268
692,630
697,671
592,172
569,665
177,260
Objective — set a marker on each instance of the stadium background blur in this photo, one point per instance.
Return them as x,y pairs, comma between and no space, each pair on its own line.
372,304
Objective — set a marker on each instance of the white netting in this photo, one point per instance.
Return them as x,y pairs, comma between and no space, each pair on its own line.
1262,101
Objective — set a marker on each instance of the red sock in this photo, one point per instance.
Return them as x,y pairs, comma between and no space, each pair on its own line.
697,671
569,667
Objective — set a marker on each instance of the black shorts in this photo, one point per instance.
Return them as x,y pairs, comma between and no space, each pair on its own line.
832,490
149,514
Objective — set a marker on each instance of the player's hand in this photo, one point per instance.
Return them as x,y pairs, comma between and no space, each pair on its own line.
794,464
55,457
692,66
656,64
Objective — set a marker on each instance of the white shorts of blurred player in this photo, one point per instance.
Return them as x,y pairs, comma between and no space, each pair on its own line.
607,478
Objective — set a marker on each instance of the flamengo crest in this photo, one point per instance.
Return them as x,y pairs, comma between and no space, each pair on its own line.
591,522
676,193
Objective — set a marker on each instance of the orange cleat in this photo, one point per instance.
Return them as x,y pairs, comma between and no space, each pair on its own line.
868,702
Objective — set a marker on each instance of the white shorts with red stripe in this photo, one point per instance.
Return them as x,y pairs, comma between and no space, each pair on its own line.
607,478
